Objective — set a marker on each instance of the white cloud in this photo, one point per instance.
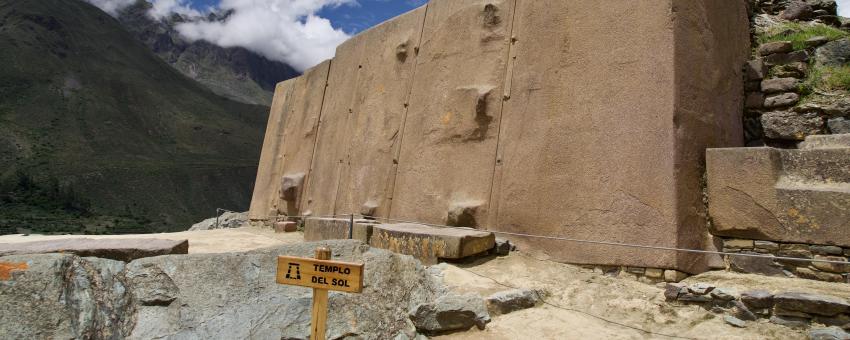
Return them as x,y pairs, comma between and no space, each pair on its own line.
111,6
164,8
283,30
844,8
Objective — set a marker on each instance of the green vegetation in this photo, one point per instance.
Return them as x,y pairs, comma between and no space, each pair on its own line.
828,78
85,106
798,33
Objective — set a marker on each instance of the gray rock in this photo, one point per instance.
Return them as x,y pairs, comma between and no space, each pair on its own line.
816,41
786,58
775,85
700,288
151,285
690,297
755,265
290,186
781,100
734,321
450,313
512,300
724,294
741,311
830,7
839,107
829,333
757,299
672,291
842,321
790,321
798,10
810,274
833,53
827,250
838,125
766,245
503,247
775,47
227,220
792,70
755,69
790,125
830,266
811,303
115,249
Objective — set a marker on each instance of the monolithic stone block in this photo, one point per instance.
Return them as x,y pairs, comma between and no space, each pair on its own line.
317,229
431,243
114,249
793,195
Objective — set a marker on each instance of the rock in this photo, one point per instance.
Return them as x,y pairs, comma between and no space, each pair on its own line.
450,313
757,299
512,300
654,273
672,291
780,100
740,311
290,186
227,220
829,333
151,285
431,243
842,321
826,250
700,288
775,47
755,265
755,69
674,275
786,58
833,53
285,227
636,270
766,245
810,274
789,125
754,100
734,321
838,125
776,85
464,214
811,303
797,10
115,249
790,321
369,208
690,297
830,7
816,41
839,107
503,247
738,244
317,229
795,250
792,70
831,267
724,294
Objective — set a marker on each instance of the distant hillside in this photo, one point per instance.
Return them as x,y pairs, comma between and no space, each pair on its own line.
235,73
99,134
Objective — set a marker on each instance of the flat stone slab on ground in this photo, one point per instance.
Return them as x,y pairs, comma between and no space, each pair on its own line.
115,249
430,243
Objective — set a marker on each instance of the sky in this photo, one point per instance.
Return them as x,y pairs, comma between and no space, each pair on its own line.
844,8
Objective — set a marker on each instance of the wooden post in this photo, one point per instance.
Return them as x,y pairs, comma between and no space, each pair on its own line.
320,302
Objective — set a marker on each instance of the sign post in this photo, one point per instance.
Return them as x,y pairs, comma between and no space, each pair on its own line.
322,275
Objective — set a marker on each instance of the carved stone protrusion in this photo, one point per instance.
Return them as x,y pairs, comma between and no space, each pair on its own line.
290,187
464,214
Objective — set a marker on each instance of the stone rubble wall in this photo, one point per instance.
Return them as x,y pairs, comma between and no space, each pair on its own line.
519,116
822,271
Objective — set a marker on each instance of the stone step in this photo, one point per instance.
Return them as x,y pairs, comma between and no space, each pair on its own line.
114,249
428,244
826,142
828,165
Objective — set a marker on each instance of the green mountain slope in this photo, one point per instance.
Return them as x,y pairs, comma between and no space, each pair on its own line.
90,117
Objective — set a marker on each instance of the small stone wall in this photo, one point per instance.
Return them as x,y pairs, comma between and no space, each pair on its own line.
821,271
791,309
640,274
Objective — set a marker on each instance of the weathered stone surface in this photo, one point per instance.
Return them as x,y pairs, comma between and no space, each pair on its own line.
503,247
731,320
830,7
790,125
829,333
826,250
318,229
512,300
450,313
700,288
151,285
775,85
833,53
430,243
267,183
775,47
741,311
790,321
786,58
816,41
839,125
792,70
756,69
674,275
121,250
738,243
757,299
841,141
780,100
793,195
810,274
831,267
724,294
226,220
810,303
285,227
654,273
766,245
755,100
465,214
291,187
797,10
755,265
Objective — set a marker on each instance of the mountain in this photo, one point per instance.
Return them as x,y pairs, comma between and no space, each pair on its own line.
98,134
235,73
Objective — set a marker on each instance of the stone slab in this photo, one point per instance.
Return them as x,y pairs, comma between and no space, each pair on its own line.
318,229
114,249
431,243
267,182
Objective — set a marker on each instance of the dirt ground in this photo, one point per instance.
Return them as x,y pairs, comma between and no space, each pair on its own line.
580,304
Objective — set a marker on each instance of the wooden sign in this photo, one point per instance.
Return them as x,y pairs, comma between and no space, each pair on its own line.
322,275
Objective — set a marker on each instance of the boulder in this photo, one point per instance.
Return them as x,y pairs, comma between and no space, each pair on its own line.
797,10
226,220
775,85
450,313
830,7
810,303
829,333
775,47
203,296
512,300
833,53
115,249
790,125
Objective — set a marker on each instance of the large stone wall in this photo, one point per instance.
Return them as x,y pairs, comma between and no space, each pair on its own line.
581,119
